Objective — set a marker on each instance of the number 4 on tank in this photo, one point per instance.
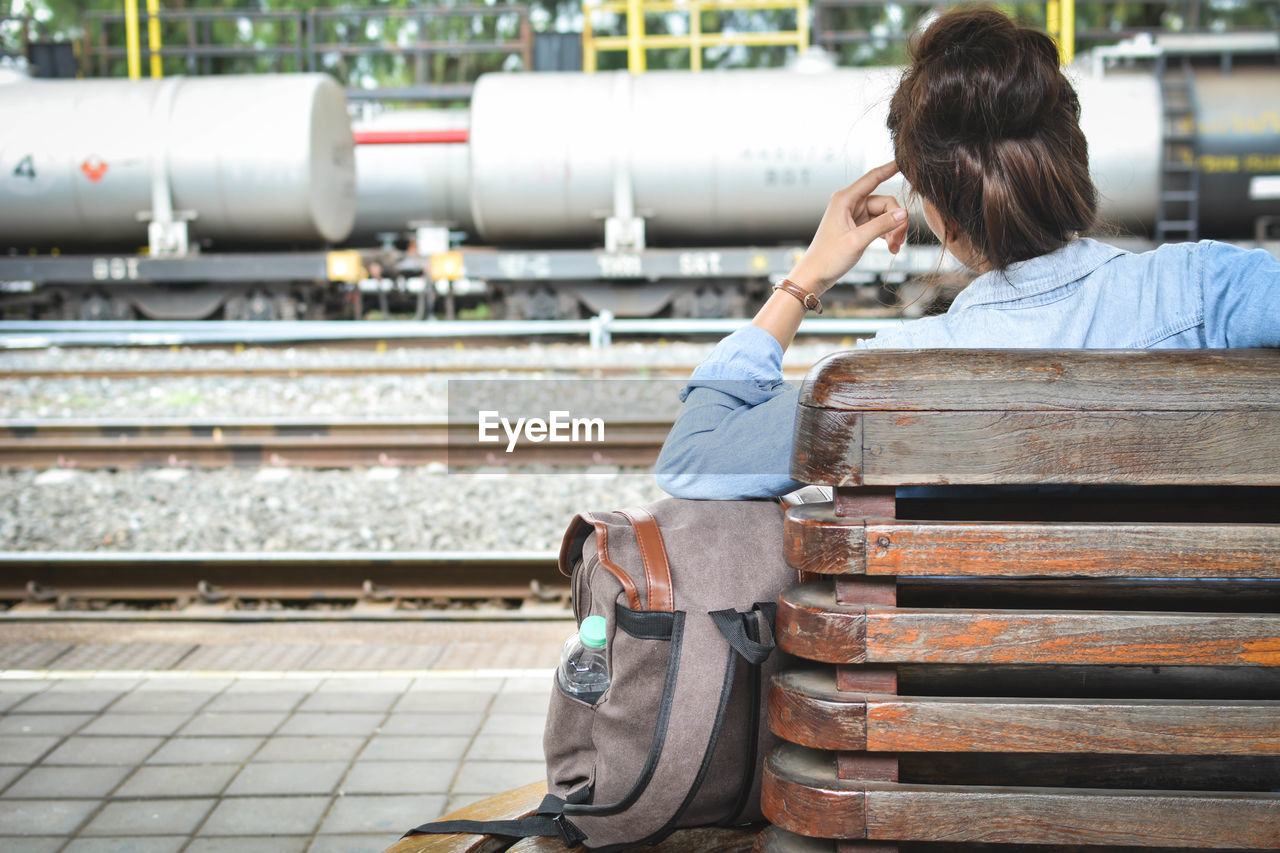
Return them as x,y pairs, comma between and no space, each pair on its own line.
26,168
26,172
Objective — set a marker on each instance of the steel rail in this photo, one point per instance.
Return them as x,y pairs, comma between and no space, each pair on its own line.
314,577
283,586
260,371
306,443
33,334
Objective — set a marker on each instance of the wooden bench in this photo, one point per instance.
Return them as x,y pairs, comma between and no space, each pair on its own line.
523,802
1092,660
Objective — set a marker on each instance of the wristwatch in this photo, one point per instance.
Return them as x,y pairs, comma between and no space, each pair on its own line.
808,299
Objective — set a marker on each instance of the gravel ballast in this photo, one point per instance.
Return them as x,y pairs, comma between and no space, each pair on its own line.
279,509
374,396
244,509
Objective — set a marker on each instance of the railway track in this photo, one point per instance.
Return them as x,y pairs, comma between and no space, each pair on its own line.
305,443
285,372
359,370
280,585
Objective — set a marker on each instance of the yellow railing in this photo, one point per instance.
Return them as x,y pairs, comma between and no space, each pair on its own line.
133,46
1060,21
636,41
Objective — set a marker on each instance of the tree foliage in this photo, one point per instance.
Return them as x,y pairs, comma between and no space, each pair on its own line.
400,42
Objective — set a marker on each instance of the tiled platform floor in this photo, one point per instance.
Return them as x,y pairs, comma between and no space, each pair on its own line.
131,744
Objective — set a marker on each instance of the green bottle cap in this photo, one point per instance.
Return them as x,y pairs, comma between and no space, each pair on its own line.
592,632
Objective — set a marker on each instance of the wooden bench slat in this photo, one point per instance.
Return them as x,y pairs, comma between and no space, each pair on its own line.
1074,550
510,805
777,840
991,448
817,540
806,708
700,839
803,794
904,380
522,802
812,625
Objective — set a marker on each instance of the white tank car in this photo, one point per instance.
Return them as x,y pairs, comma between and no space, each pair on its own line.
735,156
401,182
258,159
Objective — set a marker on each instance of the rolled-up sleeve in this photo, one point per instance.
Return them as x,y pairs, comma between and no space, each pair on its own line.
734,434
1241,290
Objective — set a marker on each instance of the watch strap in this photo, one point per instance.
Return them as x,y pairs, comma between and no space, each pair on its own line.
807,298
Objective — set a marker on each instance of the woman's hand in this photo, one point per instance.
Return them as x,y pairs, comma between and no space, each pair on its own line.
853,219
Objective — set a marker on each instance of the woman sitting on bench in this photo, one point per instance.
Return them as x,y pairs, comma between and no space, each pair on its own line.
986,130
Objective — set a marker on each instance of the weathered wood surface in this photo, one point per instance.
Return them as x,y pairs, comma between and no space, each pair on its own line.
992,448
1022,380
812,625
511,805
522,802
806,708
817,540
803,794
860,589
827,444
775,840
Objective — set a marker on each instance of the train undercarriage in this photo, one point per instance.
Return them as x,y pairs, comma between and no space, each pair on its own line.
481,282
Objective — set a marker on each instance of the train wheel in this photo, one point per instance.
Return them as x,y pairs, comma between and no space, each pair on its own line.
288,308
539,303
97,306
567,306
257,305
726,300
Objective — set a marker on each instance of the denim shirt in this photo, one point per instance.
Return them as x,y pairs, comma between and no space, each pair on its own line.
733,438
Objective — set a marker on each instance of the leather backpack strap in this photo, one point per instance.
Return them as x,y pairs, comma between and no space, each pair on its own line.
582,526
653,553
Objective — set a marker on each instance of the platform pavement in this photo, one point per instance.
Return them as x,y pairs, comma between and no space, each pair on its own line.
188,760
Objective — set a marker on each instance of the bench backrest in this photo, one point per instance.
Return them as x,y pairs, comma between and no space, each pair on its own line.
1088,655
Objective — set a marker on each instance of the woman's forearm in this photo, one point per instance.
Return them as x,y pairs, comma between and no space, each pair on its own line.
780,316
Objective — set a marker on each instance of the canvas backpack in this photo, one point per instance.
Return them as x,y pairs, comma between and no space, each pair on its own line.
688,590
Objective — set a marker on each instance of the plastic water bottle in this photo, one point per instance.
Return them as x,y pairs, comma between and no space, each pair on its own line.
584,666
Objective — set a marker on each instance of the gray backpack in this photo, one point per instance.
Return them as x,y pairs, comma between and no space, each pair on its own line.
688,590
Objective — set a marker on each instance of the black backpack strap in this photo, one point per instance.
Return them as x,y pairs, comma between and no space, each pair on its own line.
685,711
733,625
547,822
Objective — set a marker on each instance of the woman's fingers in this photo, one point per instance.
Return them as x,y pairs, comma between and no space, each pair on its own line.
872,179
862,207
880,206
885,225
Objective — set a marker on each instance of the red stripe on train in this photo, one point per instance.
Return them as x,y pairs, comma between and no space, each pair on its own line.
410,137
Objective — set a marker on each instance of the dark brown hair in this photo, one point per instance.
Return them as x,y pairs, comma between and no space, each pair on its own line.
987,129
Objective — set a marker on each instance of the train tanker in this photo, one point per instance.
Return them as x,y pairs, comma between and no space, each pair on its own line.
556,192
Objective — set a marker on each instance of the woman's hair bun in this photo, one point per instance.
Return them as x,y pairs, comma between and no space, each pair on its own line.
987,129
991,79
